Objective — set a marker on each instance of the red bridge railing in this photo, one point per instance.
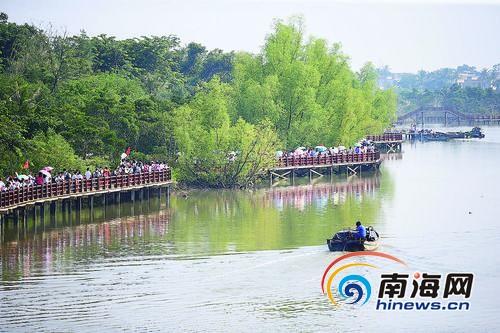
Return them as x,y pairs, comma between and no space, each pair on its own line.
389,137
28,194
328,159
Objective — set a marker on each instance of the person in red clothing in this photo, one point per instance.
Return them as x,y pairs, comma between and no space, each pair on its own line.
39,179
106,172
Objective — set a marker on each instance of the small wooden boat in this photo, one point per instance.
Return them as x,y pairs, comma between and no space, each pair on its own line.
344,241
474,133
434,136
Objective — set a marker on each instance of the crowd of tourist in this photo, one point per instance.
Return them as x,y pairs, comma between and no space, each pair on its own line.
47,175
362,147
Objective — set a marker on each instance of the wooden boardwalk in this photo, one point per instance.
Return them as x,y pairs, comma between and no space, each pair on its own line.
388,142
351,163
76,189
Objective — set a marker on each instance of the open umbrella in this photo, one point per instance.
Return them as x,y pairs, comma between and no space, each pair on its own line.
45,173
48,168
22,177
320,148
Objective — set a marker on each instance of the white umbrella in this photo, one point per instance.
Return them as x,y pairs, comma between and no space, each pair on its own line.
320,148
48,168
123,156
300,150
22,177
45,172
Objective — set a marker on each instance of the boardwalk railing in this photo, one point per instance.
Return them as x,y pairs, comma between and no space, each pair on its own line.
486,117
386,137
28,194
328,160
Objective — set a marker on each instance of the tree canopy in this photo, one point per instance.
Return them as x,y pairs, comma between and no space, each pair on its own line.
216,117
308,91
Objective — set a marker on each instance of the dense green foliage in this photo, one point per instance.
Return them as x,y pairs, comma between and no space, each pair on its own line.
465,88
217,118
308,91
100,95
467,100
213,149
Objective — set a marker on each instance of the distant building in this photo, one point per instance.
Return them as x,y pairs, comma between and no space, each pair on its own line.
472,80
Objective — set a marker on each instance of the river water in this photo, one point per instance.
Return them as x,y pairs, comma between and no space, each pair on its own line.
232,261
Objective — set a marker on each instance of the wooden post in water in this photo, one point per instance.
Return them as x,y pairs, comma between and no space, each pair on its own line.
42,214
2,222
52,212
70,211
63,208
25,218
168,196
104,206
78,209
15,216
91,207
34,213
52,208
132,199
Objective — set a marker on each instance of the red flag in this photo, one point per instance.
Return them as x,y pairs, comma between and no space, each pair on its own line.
127,151
26,164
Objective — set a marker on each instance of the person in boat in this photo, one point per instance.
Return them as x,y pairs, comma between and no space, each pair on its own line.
360,231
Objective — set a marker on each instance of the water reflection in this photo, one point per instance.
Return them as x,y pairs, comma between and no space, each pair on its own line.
38,247
321,194
205,223
392,156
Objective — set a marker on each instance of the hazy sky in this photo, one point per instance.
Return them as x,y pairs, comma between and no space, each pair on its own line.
405,35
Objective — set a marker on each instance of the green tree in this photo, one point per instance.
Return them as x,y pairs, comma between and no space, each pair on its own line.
308,91
51,149
98,114
212,150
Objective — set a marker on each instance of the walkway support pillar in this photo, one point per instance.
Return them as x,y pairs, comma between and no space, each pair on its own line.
168,196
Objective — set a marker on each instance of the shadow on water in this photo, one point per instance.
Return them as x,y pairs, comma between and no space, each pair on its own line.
206,223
